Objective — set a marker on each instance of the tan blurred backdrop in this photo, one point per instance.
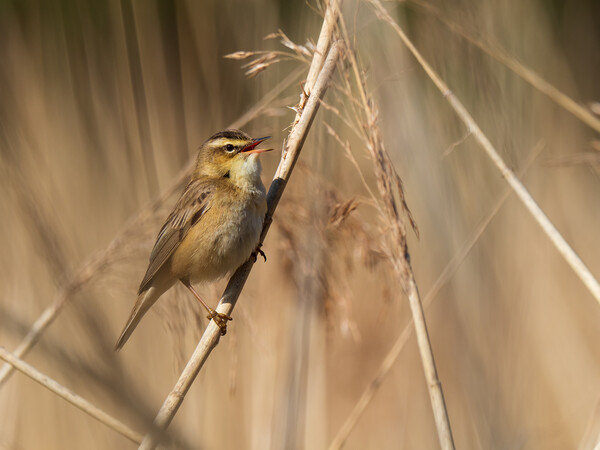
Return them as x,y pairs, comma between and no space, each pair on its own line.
103,103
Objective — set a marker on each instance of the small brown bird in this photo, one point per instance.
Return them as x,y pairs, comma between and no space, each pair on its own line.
214,227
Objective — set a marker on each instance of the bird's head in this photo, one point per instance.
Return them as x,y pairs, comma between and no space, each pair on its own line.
230,154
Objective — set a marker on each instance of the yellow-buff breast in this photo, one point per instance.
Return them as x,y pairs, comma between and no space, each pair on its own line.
225,237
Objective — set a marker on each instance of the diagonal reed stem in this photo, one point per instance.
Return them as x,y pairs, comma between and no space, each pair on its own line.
70,396
530,204
306,113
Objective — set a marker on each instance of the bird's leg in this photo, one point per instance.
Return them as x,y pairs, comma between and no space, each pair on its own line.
219,318
258,251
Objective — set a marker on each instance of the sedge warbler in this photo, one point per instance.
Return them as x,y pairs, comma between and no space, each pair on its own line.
214,227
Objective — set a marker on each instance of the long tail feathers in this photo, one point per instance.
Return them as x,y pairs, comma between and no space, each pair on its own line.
143,303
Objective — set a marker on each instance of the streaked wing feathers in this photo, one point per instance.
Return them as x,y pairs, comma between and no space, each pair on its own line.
191,206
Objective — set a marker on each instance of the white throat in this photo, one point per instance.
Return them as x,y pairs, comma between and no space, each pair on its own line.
245,172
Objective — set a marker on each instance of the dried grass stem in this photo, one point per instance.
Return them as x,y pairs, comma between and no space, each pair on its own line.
70,396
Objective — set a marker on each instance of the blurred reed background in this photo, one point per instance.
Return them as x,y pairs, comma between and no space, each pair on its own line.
103,103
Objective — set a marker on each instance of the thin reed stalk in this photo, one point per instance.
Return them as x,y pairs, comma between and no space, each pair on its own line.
528,201
70,396
316,85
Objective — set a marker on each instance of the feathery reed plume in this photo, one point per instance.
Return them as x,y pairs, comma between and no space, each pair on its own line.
263,59
392,203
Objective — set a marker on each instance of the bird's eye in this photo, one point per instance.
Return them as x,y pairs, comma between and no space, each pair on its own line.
229,148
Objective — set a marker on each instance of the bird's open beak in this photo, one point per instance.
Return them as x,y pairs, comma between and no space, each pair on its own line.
250,148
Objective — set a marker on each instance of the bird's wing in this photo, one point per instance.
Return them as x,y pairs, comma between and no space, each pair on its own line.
191,206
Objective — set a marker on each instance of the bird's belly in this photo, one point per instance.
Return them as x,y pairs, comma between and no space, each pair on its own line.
213,255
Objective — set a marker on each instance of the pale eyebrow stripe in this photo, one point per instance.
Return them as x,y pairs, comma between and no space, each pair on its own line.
223,141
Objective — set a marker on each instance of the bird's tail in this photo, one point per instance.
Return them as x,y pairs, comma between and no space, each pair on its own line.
143,303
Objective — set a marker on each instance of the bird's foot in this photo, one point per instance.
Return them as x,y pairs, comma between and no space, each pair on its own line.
220,319
257,252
